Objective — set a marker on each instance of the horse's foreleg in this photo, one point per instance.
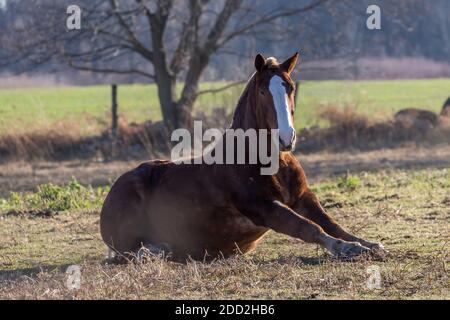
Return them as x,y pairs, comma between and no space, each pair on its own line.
280,218
309,207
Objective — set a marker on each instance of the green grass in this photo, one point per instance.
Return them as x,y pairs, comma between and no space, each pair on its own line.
89,107
54,198
408,211
376,99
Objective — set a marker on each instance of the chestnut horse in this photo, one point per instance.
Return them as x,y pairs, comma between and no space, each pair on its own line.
217,210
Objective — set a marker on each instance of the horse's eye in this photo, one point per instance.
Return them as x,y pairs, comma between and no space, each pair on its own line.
261,92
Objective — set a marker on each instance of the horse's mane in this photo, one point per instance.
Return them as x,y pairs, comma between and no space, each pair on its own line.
241,108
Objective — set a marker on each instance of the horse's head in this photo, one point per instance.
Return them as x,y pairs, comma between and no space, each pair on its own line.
275,98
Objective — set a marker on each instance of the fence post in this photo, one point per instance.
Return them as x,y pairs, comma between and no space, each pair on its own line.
114,122
297,88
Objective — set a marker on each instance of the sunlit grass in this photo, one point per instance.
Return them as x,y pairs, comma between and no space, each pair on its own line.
88,107
406,210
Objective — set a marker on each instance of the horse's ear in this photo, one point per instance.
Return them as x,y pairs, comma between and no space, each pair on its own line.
290,63
260,62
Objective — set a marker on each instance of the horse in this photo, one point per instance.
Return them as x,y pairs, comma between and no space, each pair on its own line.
421,119
445,112
208,211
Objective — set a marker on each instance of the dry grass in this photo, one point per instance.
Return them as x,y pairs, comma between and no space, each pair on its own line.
349,129
64,141
347,116
27,175
42,143
407,210
240,278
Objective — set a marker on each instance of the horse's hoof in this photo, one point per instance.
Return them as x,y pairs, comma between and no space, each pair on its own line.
349,250
378,251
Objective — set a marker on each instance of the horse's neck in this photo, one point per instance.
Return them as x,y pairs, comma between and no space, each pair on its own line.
244,116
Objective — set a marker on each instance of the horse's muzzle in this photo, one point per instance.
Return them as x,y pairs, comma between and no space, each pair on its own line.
287,142
286,148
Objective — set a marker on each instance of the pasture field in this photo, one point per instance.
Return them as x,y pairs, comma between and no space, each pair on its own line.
89,107
45,231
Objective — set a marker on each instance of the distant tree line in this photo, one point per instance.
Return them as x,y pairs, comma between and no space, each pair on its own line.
186,41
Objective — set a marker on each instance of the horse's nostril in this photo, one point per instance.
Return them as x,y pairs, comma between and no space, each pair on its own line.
287,140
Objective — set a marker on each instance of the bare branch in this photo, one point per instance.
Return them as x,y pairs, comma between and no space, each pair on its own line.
268,19
158,21
131,35
112,71
216,31
188,36
223,88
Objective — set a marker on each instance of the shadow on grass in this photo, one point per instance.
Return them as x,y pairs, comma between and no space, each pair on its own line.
12,275
290,260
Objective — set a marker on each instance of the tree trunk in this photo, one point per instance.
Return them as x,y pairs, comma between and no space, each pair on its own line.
166,85
189,94
199,60
165,80
178,113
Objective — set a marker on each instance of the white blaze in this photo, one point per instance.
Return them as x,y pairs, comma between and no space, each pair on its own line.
281,102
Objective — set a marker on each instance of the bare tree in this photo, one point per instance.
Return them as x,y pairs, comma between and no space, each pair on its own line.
174,40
